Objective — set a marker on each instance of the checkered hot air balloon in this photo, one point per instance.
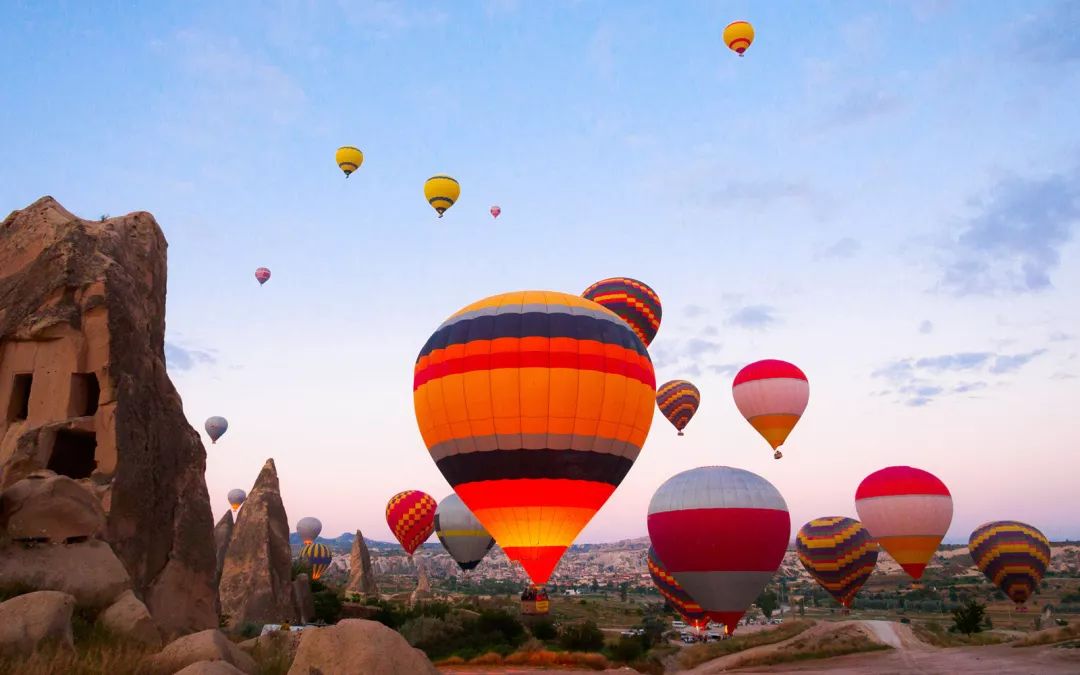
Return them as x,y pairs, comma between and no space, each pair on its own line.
633,301
411,516
772,396
722,533
678,400
676,595
534,406
839,553
316,555
908,511
1013,555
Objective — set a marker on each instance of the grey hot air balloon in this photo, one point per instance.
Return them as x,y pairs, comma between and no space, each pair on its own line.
236,498
215,427
461,534
309,528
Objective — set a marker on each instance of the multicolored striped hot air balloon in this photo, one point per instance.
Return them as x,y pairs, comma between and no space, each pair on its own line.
772,396
318,556
839,553
678,400
262,275
411,515
1013,555
908,511
308,528
461,534
722,533
738,35
534,406
441,192
634,302
236,498
676,595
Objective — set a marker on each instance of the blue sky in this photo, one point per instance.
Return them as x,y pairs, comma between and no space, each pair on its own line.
886,194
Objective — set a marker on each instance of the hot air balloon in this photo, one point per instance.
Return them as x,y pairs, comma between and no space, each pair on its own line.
738,35
308,528
236,498
411,515
633,301
535,601
678,400
318,556
908,511
461,534
772,396
1013,555
216,427
348,159
534,406
263,275
495,211
722,533
839,553
676,595
441,192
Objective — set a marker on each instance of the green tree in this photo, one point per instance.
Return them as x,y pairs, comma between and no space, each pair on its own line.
622,591
767,603
543,629
581,637
627,649
968,618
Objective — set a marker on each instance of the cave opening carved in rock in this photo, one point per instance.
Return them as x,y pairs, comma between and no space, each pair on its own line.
19,404
73,453
85,392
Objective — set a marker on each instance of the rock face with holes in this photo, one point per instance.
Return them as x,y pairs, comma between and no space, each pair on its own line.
84,394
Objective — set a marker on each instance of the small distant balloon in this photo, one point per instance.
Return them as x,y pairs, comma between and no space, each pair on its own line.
216,427
678,400
738,35
318,556
348,159
495,211
236,498
411,516
263,275
308,528
441,192
632,301
772,396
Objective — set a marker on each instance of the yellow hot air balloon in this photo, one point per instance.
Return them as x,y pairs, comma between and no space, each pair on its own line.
441,192
348,159
738,35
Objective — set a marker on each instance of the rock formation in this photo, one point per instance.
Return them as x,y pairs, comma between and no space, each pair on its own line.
84,393
423,586
358,646
256,583
208,645
303,600
222,536
361,576
128,617
33,618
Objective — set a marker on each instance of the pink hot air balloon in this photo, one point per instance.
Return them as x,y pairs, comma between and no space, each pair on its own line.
263,275
772,396
722,533
495,211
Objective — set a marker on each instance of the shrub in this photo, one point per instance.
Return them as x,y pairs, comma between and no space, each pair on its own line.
627,649
543,629
581,637
968,618
327,605
249,630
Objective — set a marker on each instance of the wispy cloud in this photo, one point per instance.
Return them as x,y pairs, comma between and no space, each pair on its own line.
753,317
184,358
1013,243
918,382
385,16
694,311
1052,36
926,327
861,104
846,247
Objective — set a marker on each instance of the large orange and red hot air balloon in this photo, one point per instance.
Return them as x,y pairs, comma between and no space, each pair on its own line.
1013,555
534,406
839,553
678,400
908,511
722,533
676,595
411,515
633,300
772,396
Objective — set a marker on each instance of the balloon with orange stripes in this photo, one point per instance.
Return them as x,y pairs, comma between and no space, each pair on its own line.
411,516
633,301
534,406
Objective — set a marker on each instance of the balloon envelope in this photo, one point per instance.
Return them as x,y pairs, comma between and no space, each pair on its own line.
839,553
318,556
534,406
495,211
676,595
722,533
215,427
263,275
411,516
678,400
461,534
236,498
1013,555
633,301
348,159
738,35
441,192
908,511
308,528
772,396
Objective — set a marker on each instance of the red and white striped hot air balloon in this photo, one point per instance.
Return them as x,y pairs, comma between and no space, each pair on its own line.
908,511
495,211
722,533
772,396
